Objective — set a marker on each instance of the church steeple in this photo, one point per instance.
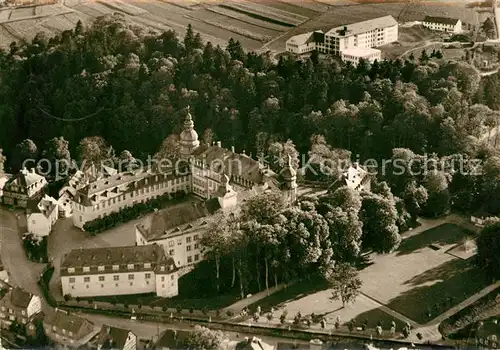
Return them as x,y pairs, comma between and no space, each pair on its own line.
189,137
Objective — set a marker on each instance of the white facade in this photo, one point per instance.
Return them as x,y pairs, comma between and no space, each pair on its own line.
355,55
123,283
41,218
300,44
443,24
118,271
18,305
184,248
362,35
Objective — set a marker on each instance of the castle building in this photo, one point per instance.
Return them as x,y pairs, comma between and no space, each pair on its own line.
118,271
205,171
220,179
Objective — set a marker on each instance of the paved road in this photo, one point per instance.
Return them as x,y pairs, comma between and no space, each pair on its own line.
150,330
65,237
22,272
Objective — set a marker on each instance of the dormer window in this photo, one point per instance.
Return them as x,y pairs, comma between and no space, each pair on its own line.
130,266
116,267
147,265
71,269
100,268
171,267
86,269
162,268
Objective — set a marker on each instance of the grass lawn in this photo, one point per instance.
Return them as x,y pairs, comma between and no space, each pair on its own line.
373,317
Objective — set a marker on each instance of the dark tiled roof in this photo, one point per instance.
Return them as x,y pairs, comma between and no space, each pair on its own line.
121,256
292,346
112,337
79,326
20,298
119,184
172,339
25,178
176,218
442,20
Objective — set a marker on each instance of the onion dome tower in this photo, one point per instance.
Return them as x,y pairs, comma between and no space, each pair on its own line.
189,137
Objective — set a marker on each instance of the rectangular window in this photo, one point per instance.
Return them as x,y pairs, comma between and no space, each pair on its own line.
147,276
190,259
171,252
86,279
163,278
101,278
116,278
196,257
71,280
130,277
196,245
130,266
179,242
147,265
196,237
172,277
188,239
188,248
71,269
171,243
100,268
116,267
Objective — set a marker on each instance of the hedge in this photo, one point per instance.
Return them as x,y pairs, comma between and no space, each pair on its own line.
44,284
131,213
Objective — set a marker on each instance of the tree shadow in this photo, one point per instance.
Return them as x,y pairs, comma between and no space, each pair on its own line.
291,293
364,261
441,235
439,289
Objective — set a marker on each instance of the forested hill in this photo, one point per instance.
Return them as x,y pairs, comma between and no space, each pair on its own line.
128,85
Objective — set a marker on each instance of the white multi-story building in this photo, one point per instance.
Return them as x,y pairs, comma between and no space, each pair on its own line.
361,35
199,170
355,55
41,216
119,271
443,24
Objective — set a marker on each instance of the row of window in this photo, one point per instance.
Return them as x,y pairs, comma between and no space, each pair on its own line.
117,267
23,312
196,258
142,191
116,278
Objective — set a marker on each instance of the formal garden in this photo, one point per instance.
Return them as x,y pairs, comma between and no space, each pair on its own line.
130,213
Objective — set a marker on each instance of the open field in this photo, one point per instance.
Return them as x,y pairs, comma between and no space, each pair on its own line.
266,13
253,23
292,8
206,15
123,7
308,4
242,18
